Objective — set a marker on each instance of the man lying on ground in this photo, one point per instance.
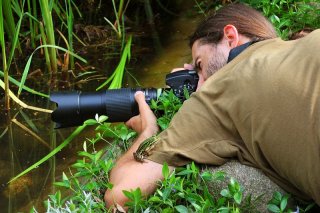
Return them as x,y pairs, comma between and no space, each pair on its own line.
258,101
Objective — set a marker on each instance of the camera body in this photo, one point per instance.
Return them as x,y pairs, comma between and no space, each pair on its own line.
74,107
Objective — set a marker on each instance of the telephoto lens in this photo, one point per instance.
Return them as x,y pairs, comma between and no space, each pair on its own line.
74,107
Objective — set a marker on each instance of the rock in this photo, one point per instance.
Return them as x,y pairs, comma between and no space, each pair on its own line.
252,180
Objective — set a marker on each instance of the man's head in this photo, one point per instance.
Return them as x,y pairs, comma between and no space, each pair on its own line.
229,27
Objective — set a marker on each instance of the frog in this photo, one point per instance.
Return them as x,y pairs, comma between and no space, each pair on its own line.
143,150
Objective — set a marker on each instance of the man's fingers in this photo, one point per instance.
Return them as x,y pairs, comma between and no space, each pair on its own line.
177,69
143,106
188,66
185,67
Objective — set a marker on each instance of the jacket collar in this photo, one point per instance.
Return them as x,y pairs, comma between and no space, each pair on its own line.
239,49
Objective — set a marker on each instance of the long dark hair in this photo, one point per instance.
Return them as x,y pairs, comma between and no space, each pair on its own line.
248,21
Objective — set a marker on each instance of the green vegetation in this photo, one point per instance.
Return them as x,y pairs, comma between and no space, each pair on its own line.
289,16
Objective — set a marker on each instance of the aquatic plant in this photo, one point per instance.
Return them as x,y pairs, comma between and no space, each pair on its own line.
117,75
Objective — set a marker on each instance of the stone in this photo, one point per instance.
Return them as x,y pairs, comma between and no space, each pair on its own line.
253,181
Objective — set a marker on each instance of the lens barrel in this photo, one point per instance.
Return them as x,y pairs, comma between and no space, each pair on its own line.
73,108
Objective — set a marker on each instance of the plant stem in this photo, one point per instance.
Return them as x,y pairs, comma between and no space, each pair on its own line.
4,59
48,24
8,18
70,31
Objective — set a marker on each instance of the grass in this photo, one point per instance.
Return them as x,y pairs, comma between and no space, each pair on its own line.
4,58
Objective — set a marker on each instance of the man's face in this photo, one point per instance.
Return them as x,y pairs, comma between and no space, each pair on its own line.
208,58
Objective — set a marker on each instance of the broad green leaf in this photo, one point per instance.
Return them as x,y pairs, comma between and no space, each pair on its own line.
225,193
165,171
90,122
273,208
207,176
181,209
284,203
237,197
128,194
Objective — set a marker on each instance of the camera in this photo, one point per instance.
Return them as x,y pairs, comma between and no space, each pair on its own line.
74,107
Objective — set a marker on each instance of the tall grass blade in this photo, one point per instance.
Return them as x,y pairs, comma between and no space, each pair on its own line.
9,19
49,29
46,51
21,103
15,40
76,8
35,15
70,30
117,75
4,58
27,67
17,83
52,153
31,26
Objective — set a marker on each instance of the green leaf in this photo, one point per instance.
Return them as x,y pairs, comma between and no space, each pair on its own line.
207,176
284,203
219,175
90,122
86,154
154,199
181,209
165,171
273,208
102,118
185,172
277,196
64,177
79,165
225,193
237,197
128,194
63,184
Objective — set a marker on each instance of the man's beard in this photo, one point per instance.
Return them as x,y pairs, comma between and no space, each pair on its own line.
216,62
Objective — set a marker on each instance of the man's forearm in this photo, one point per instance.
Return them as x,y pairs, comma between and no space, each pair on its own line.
129,174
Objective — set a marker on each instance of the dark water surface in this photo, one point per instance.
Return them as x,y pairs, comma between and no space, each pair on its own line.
26,136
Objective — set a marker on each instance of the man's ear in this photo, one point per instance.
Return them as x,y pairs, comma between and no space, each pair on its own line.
231,35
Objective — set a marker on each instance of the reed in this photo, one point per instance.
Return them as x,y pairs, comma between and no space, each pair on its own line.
49,30
117,76
9,20
69,14
45,48
118,26
4,58
32,26
17,83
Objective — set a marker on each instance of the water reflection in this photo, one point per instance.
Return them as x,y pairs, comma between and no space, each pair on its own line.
27,136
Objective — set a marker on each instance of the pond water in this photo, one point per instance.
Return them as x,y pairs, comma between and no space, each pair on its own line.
26,136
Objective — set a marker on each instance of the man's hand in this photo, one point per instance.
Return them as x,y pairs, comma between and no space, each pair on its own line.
146,122
185,67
